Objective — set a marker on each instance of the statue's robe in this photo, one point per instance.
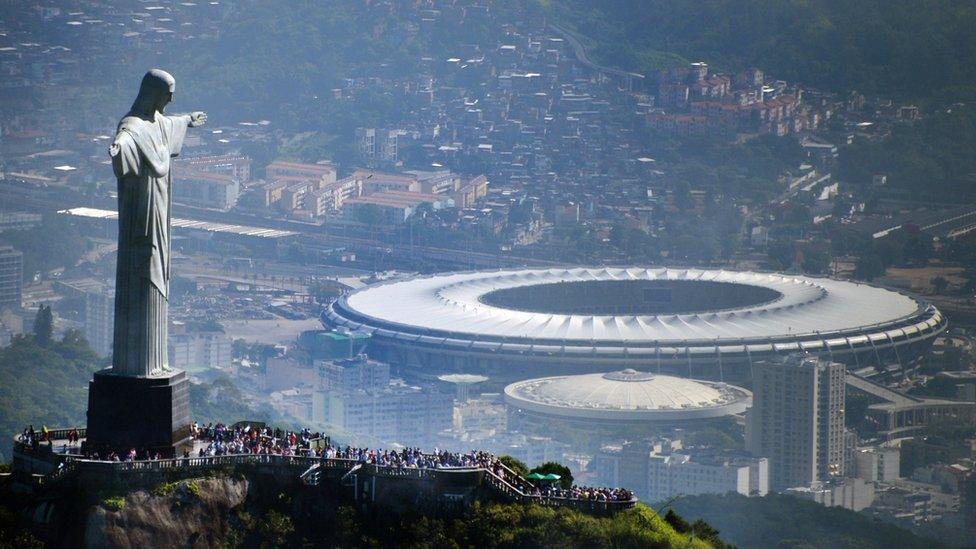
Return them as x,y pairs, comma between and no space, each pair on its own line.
142,167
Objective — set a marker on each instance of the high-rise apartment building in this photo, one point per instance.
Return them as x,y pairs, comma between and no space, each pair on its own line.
797,420
100,319
11,277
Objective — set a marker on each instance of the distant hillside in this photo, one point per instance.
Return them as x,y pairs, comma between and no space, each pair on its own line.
896,48
43,385
785,521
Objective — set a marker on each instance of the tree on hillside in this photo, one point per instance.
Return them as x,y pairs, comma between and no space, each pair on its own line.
940,284
515,465
44,325
565,475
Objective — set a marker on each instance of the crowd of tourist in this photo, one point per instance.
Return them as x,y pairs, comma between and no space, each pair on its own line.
219,439
586,493
222,440
30,437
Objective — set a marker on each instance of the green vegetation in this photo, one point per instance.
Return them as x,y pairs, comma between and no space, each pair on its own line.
193,487
899,48
785,521
48,385
114,503
934,154
515,464
44,384
164,489
698,530
44,325
276,528
491,525
551,467
221,400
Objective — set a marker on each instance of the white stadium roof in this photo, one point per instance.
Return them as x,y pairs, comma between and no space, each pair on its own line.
452,304
627,395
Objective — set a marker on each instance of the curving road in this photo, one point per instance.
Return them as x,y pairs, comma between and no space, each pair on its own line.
580,51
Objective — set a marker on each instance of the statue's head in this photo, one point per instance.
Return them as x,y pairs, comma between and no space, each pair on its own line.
155,93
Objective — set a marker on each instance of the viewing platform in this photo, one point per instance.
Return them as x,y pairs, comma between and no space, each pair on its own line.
56,463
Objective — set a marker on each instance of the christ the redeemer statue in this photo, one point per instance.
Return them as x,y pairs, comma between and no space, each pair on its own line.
145,142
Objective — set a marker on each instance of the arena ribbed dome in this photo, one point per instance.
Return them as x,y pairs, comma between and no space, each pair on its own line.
627,395
691,321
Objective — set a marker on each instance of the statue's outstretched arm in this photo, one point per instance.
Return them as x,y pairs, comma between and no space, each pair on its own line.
198,118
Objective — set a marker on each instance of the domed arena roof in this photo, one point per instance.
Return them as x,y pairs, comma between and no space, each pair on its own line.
628,395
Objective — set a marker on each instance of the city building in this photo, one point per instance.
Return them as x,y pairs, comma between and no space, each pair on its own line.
198,350
850,493
797,420
100,319
235,166
660,469
391,207
328,345
398,413
378,144
530,450
320,174
878,463
353,374
704,324
485,414
18,221
11,277
207,190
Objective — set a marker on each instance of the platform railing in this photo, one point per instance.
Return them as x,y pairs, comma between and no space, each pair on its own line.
508,483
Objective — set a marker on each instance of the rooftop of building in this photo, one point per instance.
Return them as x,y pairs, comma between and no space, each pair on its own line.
628,395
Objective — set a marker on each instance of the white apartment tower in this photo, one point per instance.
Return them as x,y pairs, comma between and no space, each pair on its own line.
797,420
100,319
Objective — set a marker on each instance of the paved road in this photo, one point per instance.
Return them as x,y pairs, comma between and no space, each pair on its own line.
580,52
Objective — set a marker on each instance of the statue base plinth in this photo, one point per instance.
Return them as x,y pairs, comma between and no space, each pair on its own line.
150,414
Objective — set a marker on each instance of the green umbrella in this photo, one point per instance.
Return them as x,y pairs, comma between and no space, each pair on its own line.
535,476
552,476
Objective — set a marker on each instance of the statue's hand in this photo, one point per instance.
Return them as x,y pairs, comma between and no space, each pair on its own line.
198,118
113,149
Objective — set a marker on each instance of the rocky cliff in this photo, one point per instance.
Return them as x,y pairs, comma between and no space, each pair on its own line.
193,513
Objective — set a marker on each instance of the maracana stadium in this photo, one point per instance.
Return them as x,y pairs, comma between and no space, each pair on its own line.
704,324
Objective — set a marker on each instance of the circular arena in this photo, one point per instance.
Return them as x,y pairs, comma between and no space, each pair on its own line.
709,324
625,396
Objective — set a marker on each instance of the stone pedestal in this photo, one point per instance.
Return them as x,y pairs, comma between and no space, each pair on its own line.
146,413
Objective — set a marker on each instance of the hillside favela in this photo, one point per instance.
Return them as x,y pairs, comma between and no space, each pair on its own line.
487,273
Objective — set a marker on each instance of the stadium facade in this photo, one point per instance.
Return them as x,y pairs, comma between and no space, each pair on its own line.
705,324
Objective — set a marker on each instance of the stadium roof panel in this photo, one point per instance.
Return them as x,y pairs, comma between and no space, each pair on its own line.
455,304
